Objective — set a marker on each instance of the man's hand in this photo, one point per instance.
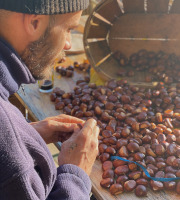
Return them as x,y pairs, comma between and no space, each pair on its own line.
81,148
58,128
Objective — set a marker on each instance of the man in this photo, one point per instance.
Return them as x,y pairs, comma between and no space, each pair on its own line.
32,34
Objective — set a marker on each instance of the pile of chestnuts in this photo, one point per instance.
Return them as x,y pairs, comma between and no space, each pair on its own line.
65,71
69,71
159,66
136,123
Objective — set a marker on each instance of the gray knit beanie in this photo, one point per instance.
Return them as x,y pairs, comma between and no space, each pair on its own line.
44,7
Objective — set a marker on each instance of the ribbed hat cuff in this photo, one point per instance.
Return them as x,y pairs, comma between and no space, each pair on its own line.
44,7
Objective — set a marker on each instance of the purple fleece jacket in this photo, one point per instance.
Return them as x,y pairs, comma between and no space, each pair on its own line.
27,170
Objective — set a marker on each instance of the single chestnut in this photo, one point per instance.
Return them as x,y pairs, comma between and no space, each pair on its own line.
141,191
116,189
135,175
123,169
121,179
123,152
156,185
129,185
142,181
109,173
107,165
133,147
106,183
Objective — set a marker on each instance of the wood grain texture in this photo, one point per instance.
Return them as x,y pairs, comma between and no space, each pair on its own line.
147,26
157,6
135,6
98,50
40,105
106,8
108,68
76,44
148,29
175,7
96,28
103,194
129,47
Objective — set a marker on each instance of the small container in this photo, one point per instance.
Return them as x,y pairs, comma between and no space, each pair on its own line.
46,85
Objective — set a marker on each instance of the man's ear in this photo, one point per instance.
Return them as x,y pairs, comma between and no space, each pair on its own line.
35,25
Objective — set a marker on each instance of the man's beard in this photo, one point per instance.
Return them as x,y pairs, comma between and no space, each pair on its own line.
40,55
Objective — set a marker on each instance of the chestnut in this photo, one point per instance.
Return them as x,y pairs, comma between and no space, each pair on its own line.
135,175
109,173
123,152
159,117
170,160
161,165
142,181
102,147
133,147
156,185
109,106
121,179
123,169
150,160
105,116
125,99
132,166
53,97
125,132
106,183
110,150
150,152
116,189
171,185
178,187
138,156
159,149
106,133
69,73
160,174
107,165
141,191
117,163
178,173
171,149
129,185
59,105
176,163
121,142
104,156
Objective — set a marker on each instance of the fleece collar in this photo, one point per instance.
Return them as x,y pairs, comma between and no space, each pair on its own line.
13,72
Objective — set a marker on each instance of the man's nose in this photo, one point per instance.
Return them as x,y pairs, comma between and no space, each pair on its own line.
67,45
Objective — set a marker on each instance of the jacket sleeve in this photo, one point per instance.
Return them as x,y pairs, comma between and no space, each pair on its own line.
72,183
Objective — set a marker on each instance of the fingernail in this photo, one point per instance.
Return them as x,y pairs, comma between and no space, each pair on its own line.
94,122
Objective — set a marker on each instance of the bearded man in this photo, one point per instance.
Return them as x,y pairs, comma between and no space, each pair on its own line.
32,34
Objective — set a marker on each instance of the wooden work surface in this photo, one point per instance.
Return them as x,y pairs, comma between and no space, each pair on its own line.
40,107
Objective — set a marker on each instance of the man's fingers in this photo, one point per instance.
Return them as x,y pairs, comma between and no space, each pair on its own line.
62,127
91,122
68,119
88,127
96,131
